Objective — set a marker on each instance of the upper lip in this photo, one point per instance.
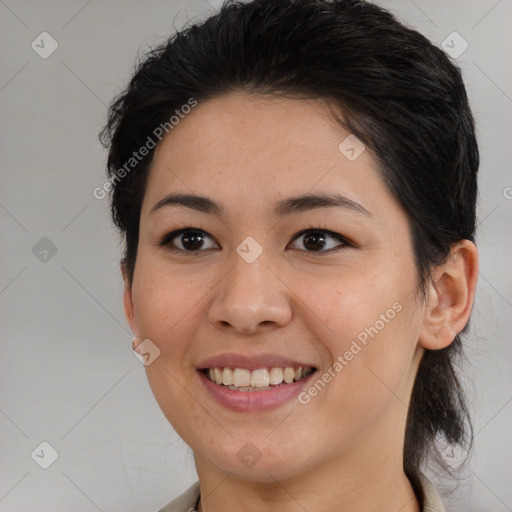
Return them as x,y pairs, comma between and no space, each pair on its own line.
234,360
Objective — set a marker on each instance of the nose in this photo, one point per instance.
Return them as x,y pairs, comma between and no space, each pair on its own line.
250,298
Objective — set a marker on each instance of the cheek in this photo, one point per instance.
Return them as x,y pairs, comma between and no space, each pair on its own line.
368,324
167,302
349,302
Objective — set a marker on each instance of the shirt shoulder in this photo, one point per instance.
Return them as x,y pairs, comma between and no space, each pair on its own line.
185,502
432,500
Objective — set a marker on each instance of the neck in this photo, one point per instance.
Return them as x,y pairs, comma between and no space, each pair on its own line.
340,484
287,497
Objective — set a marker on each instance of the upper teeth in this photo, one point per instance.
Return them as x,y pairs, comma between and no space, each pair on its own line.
260,378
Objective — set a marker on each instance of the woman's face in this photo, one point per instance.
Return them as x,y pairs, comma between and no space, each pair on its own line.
249,290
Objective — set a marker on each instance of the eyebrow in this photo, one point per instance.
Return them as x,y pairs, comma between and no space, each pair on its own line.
282,208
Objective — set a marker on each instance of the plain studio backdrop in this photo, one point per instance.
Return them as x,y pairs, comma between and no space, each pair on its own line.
68,374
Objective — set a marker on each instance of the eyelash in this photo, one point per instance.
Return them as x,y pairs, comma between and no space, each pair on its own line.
166,240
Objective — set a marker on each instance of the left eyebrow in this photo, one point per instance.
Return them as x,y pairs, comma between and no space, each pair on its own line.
282,208
313,201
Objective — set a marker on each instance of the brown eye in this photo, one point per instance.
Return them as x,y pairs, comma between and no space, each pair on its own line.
196,240
187,240
320,240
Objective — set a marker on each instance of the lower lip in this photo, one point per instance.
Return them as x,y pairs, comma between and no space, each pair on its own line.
246,401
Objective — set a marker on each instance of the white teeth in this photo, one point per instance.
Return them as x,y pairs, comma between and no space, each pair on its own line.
260,378
227,377
289,375
276,376
242,379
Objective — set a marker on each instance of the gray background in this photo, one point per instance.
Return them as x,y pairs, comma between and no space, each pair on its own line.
68,375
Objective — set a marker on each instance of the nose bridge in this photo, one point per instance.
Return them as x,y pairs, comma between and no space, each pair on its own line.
250,296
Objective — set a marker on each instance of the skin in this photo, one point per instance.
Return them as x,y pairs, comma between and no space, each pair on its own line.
342,450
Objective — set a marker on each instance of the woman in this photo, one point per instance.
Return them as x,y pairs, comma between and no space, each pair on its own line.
295,182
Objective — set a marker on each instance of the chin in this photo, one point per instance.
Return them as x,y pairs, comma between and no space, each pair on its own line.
251,464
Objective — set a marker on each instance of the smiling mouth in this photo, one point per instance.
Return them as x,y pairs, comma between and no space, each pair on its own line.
261,379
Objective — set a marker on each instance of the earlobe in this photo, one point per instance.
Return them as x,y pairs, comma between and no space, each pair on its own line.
128,300
450,297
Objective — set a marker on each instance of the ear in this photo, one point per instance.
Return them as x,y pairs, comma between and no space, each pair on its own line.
450,296
129,310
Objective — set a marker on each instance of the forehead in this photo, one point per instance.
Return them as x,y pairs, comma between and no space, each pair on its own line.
254,149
